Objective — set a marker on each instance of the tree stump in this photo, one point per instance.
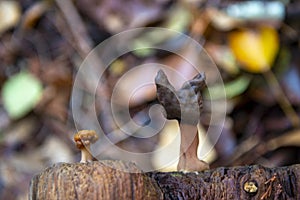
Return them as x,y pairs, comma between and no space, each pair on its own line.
93,181
121,180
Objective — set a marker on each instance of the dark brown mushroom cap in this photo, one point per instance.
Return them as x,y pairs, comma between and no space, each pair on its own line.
85,138
184,104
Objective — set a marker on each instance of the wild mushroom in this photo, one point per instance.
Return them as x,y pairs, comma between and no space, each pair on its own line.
83,140
184,105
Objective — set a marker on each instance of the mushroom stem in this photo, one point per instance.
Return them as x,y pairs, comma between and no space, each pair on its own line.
188,159
86,156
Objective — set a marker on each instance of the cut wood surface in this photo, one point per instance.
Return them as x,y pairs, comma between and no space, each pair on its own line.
123,180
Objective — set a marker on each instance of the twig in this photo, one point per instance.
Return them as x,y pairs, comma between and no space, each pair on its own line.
84,46
281,98
76,25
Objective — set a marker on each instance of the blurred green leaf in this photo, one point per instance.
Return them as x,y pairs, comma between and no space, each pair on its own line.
20,94
232,89
178,20
140,50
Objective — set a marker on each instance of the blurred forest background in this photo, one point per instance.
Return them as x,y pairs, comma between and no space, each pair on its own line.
255,45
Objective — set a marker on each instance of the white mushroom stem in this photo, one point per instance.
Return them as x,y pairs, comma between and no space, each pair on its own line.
86,155
188,159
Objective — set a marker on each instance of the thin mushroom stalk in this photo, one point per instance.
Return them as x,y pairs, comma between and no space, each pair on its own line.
184,105
188,159
86,156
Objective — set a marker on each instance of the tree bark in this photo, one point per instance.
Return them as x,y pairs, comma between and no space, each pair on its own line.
121,180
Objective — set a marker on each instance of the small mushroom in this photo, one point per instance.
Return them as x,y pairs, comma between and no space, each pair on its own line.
184,105
83,140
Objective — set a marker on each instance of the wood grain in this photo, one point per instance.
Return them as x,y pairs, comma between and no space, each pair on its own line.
112,180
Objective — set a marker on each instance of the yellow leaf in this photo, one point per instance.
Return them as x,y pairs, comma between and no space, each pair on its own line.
255,49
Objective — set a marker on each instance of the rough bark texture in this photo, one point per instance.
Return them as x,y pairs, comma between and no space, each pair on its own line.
109,180
229,183
93,181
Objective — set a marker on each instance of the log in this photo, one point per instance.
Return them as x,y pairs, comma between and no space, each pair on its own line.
92,181
123,180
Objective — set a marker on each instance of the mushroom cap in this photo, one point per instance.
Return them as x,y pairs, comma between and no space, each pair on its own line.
85,138
184,104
